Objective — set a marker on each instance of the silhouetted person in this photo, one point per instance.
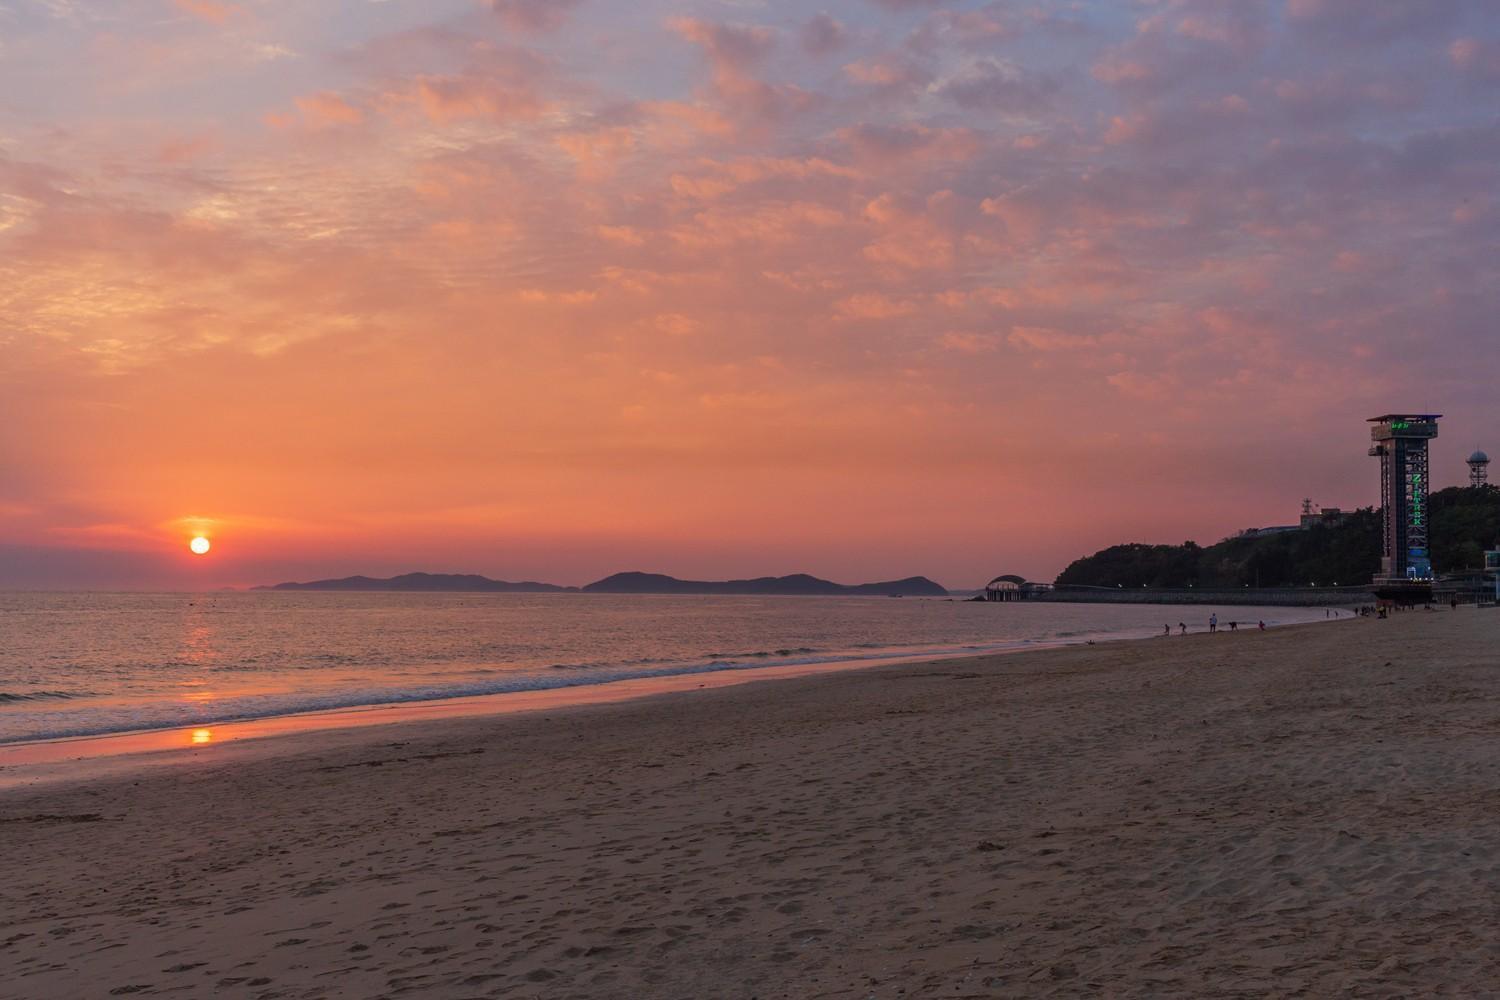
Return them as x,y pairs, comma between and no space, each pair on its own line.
1213,623
1262,626
1166,630
1183,626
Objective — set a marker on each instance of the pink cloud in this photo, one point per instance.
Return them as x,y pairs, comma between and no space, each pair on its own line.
188,148
687,122
1477,57
1342,96
734,51
600,150
714,179
1034,338
822,34
892,71
969,343
873,305
453,98
1179,125
209,10
909,236
1377,21
881,142
1143,385
1239,26
328,109
993,85
765,224
969,29
534,15
732,48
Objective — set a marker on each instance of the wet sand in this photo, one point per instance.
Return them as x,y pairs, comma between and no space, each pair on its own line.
36,762
1311,811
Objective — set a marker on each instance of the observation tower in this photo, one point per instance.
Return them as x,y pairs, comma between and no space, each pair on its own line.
1401,445
1479,469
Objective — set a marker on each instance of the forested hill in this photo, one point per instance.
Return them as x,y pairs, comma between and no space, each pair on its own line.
1465,521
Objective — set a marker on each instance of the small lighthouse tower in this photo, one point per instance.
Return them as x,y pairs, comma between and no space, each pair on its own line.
1479,469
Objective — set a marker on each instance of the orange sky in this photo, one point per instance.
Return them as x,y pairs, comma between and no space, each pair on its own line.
549,290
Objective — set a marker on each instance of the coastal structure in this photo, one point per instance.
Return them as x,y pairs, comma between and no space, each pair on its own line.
1003,588
1007,588
1312,516
1400,442
1290,597
1479,469
1480,586
1275,529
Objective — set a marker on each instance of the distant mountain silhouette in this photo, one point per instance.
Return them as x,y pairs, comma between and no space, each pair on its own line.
468,582
797,585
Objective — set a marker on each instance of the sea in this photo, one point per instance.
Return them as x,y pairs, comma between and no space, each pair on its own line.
83,664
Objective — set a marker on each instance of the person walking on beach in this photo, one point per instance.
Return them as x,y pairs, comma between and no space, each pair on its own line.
1166,630
1262,626
1183,626
1213,623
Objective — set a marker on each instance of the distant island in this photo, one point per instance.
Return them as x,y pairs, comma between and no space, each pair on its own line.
463,582
796,585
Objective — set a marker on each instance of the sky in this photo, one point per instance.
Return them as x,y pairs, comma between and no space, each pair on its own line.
549,289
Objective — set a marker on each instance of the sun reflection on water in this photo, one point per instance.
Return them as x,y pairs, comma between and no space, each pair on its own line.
202,736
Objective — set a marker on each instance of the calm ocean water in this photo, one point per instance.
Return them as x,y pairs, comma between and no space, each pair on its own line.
84,664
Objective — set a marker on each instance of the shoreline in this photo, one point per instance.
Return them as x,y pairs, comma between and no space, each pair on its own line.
683,672
25,763
140,746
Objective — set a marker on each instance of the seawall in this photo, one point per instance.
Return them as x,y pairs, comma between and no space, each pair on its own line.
1272,596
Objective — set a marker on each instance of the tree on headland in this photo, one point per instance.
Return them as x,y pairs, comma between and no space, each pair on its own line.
1465,522
1137,565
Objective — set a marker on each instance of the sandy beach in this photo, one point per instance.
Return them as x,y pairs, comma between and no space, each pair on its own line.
1313,811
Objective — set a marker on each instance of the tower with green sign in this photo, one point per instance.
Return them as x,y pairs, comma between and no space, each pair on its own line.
1401,445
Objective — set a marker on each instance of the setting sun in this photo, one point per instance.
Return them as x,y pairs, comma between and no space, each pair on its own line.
199,545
